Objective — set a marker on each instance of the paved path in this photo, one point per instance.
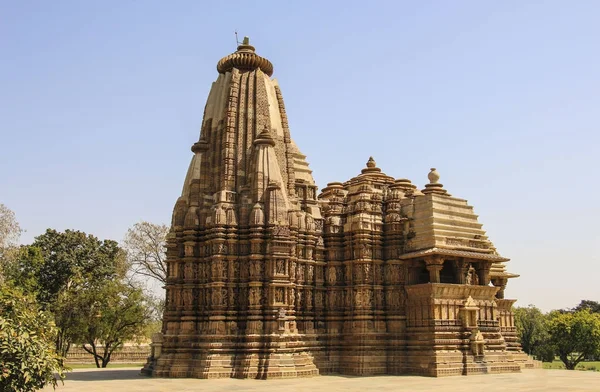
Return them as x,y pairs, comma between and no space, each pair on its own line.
129,380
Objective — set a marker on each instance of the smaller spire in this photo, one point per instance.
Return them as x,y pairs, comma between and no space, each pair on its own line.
264,137
434,186
371,167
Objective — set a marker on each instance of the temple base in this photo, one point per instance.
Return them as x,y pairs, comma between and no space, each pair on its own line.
273,356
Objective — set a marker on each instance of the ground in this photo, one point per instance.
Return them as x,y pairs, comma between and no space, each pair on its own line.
130,380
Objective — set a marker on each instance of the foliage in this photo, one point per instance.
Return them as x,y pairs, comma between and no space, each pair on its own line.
592,306
108,317
145,246
75,260
28,360
22,270
530,323
60,267
574,336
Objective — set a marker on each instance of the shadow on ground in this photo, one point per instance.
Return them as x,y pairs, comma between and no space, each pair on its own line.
107,374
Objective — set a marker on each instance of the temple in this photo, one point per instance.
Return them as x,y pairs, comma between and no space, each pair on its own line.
267,278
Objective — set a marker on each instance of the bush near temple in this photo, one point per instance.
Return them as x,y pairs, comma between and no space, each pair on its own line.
28,360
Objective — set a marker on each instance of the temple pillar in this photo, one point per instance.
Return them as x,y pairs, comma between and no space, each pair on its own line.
462,269
500,282
434,266
483,272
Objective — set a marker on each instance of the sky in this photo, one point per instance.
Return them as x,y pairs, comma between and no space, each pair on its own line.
100,102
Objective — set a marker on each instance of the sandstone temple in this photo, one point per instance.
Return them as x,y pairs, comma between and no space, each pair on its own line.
269,278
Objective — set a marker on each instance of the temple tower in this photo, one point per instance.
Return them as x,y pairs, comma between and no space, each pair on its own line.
245,252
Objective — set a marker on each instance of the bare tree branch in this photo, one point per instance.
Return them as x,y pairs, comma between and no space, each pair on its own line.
145,246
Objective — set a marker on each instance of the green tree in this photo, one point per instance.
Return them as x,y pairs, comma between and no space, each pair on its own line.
74,259
530,323
574,336
60,266
592,306
109,316
23,269
28,360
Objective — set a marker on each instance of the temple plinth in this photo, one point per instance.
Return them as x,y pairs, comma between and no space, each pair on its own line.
268,279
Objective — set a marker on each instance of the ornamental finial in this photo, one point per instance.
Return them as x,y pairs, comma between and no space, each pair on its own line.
245,58
433,176
434,186
371,163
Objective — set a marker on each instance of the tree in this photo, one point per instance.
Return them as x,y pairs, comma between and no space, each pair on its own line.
59,266
23,269
28,360
530,323
75,259
592,306
574,336
145,246
108,317
10,231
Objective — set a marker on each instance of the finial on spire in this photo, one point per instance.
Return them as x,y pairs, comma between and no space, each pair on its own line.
244,58
434,186
371,167
371,163
433,176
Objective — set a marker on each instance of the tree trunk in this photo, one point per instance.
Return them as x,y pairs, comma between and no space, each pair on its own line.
93,352
105,356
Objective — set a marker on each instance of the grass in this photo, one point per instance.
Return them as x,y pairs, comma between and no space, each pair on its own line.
109,366
591,365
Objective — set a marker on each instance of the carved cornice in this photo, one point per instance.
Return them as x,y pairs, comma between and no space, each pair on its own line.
451,252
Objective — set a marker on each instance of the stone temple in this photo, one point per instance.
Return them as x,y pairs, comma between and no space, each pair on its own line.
267,278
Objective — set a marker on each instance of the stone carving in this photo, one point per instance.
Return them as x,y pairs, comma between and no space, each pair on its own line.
255,296
280,267
279,294
331,275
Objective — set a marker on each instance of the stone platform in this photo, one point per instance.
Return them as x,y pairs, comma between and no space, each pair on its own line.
130,380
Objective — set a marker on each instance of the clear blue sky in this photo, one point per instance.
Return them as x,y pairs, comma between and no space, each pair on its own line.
100,102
